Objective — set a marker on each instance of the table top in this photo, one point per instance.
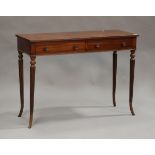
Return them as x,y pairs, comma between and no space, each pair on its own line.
59,36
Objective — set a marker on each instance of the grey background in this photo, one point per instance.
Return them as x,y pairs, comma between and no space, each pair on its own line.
73,92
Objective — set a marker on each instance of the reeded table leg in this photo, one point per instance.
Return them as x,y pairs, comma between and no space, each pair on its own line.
114,76
132,66
32,85
21,82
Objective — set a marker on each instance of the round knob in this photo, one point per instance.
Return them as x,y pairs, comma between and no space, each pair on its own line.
98,45
45,49
75,47
124,44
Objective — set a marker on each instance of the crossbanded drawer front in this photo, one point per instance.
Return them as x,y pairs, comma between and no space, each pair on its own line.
111,44
60,47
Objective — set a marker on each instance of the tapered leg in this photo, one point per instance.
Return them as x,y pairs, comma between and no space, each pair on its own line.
132,66
114,76
21,82
32,85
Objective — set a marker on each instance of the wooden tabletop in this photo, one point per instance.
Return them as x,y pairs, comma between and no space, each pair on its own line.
38,37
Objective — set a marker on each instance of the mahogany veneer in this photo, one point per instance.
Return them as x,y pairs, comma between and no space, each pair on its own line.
74,42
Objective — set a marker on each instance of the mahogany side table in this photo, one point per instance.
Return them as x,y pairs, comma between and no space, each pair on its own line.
74,42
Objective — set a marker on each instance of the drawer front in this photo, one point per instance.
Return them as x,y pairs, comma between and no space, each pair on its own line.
60,47
111,44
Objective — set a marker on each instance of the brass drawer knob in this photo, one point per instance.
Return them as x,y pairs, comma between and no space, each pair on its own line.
75,47
45,49
124,44
98,45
